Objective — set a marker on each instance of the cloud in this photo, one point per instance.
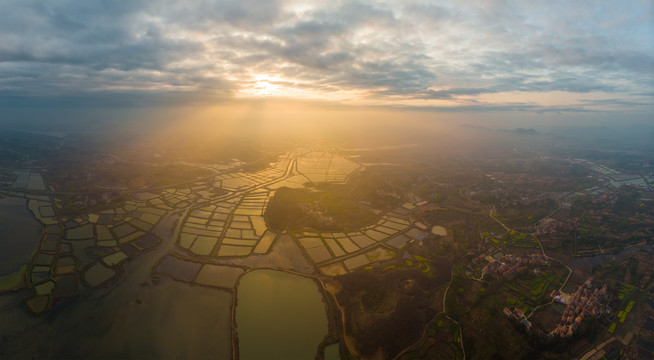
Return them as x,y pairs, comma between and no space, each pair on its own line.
389,52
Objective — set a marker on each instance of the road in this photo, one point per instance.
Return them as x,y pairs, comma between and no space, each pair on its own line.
463,349
490,213
542,250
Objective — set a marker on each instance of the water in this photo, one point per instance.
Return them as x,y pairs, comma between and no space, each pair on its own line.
279,316
20,234
138,318
331,352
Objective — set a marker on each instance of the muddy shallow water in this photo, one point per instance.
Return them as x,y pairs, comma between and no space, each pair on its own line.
279,316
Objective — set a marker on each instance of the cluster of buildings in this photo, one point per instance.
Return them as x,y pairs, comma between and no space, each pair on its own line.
587,301
515,197
518,315
484,249
90,200
509,264
608,197
316,212
553,226
501,264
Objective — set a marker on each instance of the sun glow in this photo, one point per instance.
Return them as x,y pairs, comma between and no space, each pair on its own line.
265,85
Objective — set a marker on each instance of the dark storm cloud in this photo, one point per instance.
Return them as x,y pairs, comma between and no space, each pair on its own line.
213,49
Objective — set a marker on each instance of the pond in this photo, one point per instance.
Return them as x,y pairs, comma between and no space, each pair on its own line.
279,316
438,230
21,234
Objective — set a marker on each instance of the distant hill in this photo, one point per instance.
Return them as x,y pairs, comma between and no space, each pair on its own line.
519,131
523,131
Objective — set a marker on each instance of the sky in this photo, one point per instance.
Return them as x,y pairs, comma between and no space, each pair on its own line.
521,58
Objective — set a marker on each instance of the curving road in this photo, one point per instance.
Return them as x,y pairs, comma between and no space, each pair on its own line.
542,250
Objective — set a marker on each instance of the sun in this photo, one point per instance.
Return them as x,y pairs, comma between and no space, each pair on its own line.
261,85
266,85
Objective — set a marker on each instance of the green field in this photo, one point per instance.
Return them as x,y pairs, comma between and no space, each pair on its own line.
517,240
442,341
527,291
